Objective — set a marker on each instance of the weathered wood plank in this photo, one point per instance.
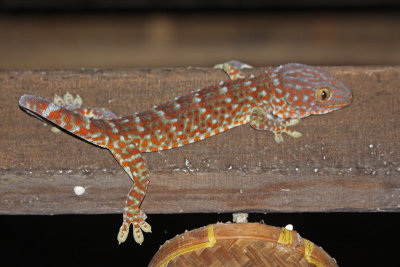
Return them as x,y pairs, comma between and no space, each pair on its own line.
348,160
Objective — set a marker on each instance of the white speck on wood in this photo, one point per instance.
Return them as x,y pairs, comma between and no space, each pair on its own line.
79,190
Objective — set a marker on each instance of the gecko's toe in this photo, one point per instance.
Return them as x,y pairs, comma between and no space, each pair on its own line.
136,217
294,134
278,138
292,122
123,232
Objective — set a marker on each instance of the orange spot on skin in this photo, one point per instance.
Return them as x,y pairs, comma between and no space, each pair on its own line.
154,140
117,151
132,151
67,119
121,144
125,156
113,136
54,115
298,103
110,145
78,120
161,126
42,105
124,164
83,131
193,133
136,142
144,143
207,135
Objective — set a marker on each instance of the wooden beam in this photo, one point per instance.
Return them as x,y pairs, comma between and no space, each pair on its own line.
109,40
348,160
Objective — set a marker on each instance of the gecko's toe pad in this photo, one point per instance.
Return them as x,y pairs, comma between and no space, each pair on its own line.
136,217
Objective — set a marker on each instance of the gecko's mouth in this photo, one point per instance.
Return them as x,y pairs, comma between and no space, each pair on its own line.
339,105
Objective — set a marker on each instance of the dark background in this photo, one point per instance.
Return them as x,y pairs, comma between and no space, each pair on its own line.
353,239
118,34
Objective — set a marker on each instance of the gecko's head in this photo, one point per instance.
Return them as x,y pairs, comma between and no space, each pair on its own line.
310,90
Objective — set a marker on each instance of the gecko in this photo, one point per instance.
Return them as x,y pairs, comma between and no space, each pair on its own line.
271,101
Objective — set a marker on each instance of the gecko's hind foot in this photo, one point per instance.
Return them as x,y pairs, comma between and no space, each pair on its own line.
137,218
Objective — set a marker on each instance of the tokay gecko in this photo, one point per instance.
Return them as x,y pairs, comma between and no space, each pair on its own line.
273,101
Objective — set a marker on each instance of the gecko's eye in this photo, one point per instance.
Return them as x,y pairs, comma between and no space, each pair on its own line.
323,94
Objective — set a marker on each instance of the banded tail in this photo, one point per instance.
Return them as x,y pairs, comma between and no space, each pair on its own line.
88,129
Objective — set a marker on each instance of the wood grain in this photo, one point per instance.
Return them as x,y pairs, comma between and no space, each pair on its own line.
348,160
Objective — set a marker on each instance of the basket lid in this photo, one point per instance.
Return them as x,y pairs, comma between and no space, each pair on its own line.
240,244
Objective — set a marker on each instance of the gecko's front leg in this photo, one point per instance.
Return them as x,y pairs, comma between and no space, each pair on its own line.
261,121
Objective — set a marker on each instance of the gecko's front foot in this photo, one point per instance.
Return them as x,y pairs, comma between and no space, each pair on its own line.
137,218
279,138
234,69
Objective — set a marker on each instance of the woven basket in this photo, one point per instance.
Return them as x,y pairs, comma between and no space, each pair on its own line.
240,244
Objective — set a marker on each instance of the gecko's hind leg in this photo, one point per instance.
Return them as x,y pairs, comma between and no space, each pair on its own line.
133,215
234,69
68,101
130,158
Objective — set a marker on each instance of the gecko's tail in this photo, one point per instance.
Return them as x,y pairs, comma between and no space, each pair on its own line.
72,122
